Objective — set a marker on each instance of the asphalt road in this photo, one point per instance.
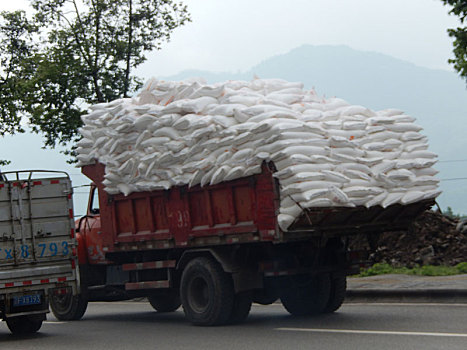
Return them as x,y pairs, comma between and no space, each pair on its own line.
133,325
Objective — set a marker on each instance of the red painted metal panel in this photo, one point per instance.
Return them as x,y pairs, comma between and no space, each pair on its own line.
159,210
179,216
124,216
220,205
246,205
243,203
266,204
198,208
142,215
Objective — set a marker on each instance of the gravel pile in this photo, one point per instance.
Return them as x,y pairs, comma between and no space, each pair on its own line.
433,239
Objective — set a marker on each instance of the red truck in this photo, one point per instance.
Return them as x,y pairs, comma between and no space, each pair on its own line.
216,249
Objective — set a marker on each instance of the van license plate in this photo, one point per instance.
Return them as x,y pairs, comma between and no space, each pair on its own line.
27,300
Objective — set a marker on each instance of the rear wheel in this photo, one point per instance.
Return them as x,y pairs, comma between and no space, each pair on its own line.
165,303
207,293
336,294
68,307
264,297
25,324
241,307
307,295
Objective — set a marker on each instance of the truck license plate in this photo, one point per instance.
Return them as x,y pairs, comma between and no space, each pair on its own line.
23,300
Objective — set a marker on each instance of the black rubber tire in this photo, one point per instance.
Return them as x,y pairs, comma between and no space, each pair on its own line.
241,308
169,302
337,293
207,293
262,298
68,307
25,324
307,295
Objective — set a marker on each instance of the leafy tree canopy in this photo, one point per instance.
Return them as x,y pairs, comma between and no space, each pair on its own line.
459,8
72,53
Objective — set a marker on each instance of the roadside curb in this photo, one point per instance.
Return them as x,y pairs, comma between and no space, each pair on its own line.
447,296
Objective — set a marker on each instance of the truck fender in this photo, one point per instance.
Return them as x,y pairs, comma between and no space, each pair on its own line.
82,250
243,278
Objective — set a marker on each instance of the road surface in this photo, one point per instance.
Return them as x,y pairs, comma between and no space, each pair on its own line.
133,325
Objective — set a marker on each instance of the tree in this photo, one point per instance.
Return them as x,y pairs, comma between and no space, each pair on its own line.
459,8
14,47
15,37
73,53
450,213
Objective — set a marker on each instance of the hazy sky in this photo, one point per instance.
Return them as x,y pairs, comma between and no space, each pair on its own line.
236,35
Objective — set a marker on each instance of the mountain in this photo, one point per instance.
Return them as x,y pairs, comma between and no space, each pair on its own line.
437,98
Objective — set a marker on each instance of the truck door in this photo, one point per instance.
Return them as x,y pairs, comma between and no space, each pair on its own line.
34,220
90,230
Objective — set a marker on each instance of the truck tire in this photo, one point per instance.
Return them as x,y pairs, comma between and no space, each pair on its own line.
307,295
165,303
262,297
27,324
241,308
68,307
336,294
207,293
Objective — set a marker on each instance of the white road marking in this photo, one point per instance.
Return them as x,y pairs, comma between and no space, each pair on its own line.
54,322
142,302
358,331
403,304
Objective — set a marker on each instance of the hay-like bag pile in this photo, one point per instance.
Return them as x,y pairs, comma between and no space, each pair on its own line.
327,152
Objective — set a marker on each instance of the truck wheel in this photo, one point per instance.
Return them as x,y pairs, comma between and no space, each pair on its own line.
25,324
241,307
68,307
262,297
307,296
207,293
337,293
165,303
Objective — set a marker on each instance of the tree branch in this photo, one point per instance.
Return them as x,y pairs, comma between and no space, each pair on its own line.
128,55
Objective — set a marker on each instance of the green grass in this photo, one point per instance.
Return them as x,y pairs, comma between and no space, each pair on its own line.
427,270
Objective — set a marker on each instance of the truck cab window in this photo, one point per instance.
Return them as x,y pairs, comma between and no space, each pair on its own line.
94,205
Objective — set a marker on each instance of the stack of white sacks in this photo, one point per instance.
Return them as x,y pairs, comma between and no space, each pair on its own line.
327,152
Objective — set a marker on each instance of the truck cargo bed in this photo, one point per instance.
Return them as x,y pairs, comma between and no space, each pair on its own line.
238,211
36,231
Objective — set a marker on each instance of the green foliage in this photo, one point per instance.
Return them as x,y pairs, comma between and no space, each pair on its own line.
459,8
426,270
382,269
462,267
73,53
15,47
450,213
